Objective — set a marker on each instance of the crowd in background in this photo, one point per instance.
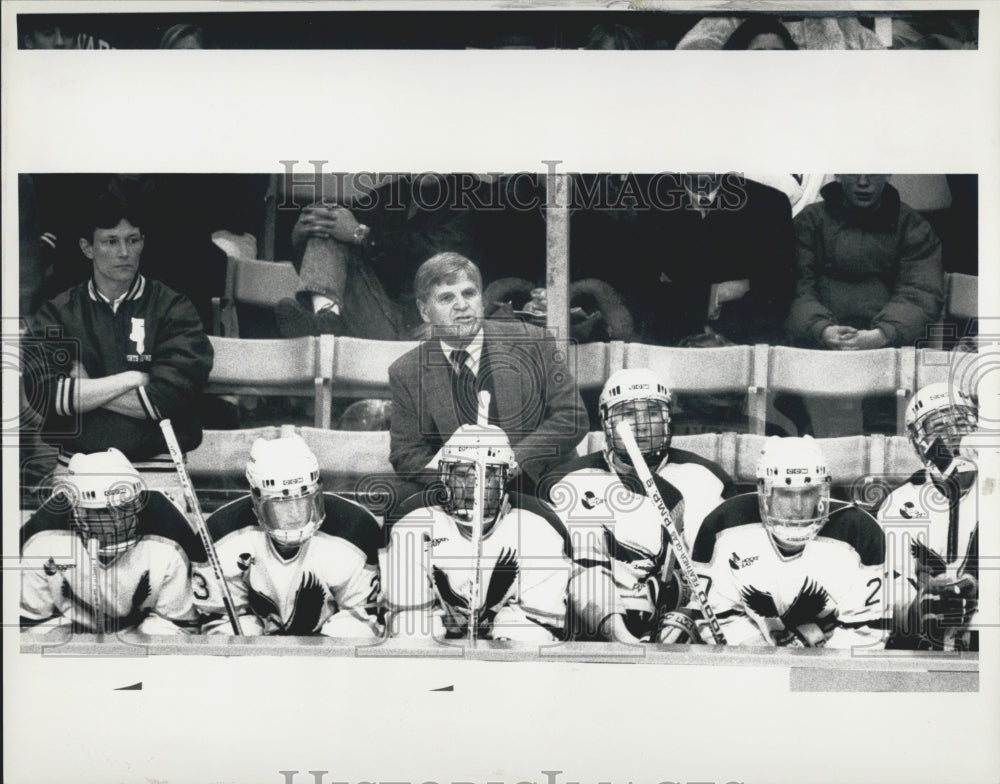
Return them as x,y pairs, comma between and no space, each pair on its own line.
497,30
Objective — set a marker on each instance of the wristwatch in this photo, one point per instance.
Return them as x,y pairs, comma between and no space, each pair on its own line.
361,234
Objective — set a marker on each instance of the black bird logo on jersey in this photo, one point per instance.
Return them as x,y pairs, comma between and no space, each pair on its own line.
135,614
84,606
130,620
307,607
503,576
807,607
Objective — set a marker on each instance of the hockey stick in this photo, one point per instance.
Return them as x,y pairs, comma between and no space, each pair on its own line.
673,535
478,502
93,548
213,558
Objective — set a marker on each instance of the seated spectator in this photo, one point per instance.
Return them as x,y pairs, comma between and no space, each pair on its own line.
760,33
616,36
869,276
869,268
359,254
185,36
724,263
120,352
46,32
55,31
811,32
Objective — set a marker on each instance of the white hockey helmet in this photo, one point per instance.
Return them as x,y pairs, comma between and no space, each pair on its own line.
938,416
793,487
106,494
469,446
285,486
641,398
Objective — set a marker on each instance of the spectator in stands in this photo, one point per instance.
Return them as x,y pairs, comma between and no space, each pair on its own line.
185,36
120,352
359,255
724,263
869,268
435,386
46,32
615,36
760,33
55,31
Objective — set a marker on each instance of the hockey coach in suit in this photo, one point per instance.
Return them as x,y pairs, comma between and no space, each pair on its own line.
435,386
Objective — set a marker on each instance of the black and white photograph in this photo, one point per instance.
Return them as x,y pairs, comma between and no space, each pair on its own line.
409,392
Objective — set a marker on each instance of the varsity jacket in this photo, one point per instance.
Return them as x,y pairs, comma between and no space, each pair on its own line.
155,331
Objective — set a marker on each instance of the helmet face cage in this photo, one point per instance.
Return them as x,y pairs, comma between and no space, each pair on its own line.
649,419
290,516
937,435
459,478
116,527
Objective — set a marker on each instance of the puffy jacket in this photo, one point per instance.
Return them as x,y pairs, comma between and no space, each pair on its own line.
879,269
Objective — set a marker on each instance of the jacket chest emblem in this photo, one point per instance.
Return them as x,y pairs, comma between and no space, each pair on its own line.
138,335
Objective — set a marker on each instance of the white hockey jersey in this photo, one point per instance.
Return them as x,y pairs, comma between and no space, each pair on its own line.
525,569
590,497
930,528
702,484
329,586
146,588
760,595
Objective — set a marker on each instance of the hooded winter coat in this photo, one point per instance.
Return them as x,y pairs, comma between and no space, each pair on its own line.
870,269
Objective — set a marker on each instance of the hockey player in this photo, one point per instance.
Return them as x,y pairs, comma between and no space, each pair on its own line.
298,561
103,555
787,566
601,489
526,561
931,524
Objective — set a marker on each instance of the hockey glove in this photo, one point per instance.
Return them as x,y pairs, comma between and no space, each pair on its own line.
947,601
807,635
679,627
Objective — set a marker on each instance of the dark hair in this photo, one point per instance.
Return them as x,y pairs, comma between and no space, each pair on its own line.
620,37
181,31
758,25
106,212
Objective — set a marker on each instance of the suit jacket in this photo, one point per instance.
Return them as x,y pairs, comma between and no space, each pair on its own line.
537,400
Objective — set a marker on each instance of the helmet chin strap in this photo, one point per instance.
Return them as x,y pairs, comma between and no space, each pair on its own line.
622,467
503,509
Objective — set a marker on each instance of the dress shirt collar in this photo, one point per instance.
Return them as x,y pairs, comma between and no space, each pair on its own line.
474,347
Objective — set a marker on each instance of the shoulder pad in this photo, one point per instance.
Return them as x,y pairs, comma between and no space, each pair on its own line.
159,517
860,530
231,517
532,504
551,479
352,522
683,456
739,510
51,516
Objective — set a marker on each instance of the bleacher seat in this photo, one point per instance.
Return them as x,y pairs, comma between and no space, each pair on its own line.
261,284
298,367
361,367
704,370
840,374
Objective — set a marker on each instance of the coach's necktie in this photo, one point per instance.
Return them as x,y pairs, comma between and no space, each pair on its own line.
466,399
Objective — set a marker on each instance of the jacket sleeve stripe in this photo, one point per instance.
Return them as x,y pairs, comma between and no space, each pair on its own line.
65,387
147,405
